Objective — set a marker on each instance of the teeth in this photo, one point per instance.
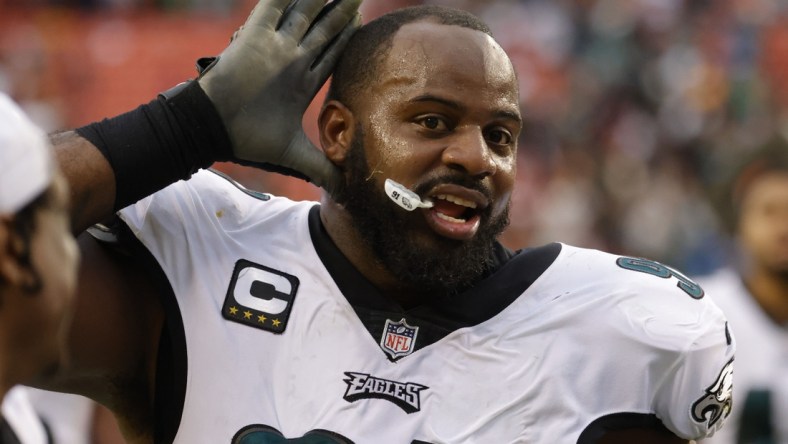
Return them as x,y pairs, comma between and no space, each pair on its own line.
457,200
449,218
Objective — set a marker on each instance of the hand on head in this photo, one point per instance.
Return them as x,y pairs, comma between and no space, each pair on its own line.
264,80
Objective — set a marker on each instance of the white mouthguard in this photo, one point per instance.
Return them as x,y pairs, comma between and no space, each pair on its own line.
404,197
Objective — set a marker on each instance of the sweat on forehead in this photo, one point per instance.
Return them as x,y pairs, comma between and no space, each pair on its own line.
369,46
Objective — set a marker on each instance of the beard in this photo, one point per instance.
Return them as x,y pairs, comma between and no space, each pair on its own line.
778,268
444,266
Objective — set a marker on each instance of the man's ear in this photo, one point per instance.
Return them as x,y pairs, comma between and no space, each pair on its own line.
336,125
11,270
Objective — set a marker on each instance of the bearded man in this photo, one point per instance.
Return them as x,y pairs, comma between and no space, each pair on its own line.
388,312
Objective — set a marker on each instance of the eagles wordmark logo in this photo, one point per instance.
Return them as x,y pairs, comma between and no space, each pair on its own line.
406,395
260,296
716,404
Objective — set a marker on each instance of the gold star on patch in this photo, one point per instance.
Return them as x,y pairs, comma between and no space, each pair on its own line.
276,322
233,310
261,318
247,314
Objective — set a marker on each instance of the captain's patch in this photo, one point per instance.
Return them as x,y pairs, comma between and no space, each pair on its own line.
716,404
406,395
260,296
399,339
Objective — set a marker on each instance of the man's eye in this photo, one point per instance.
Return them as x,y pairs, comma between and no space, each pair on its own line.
433,123
499,137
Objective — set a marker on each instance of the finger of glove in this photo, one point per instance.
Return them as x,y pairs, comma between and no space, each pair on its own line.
299,17
331,180
324,63
267,13
330,25
307,159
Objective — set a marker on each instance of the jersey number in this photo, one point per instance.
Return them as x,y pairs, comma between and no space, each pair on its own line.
659,270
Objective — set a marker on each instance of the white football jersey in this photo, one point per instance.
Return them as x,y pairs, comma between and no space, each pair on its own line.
69,417
284,338
19,414
761,388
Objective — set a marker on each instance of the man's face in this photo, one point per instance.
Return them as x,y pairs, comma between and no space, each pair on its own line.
47,313
763,222
442,118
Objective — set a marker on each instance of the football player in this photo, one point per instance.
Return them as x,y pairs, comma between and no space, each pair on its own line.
388,312
38,269
753,293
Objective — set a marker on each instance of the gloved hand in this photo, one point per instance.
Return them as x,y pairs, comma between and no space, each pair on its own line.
262,83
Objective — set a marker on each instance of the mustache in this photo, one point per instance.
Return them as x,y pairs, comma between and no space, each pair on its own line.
460,179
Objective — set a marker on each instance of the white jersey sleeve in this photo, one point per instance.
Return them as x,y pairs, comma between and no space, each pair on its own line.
707,363
650,318
18,411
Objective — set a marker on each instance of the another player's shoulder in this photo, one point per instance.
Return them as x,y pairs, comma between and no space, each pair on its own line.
21,417
727,289
723,283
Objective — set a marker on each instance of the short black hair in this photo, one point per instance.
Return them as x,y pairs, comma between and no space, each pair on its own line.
769,158
369,46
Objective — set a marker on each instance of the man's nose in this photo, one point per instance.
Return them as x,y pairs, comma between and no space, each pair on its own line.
470,153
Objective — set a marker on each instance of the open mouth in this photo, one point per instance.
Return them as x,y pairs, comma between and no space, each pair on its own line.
454,209
456,212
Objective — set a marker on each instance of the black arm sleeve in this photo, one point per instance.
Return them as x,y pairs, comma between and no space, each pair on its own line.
161,142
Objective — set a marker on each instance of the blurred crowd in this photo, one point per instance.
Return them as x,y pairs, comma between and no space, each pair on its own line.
637,111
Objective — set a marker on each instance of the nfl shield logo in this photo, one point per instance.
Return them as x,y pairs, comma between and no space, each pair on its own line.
399,339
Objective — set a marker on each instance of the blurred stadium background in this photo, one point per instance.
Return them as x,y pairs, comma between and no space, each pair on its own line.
636,110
